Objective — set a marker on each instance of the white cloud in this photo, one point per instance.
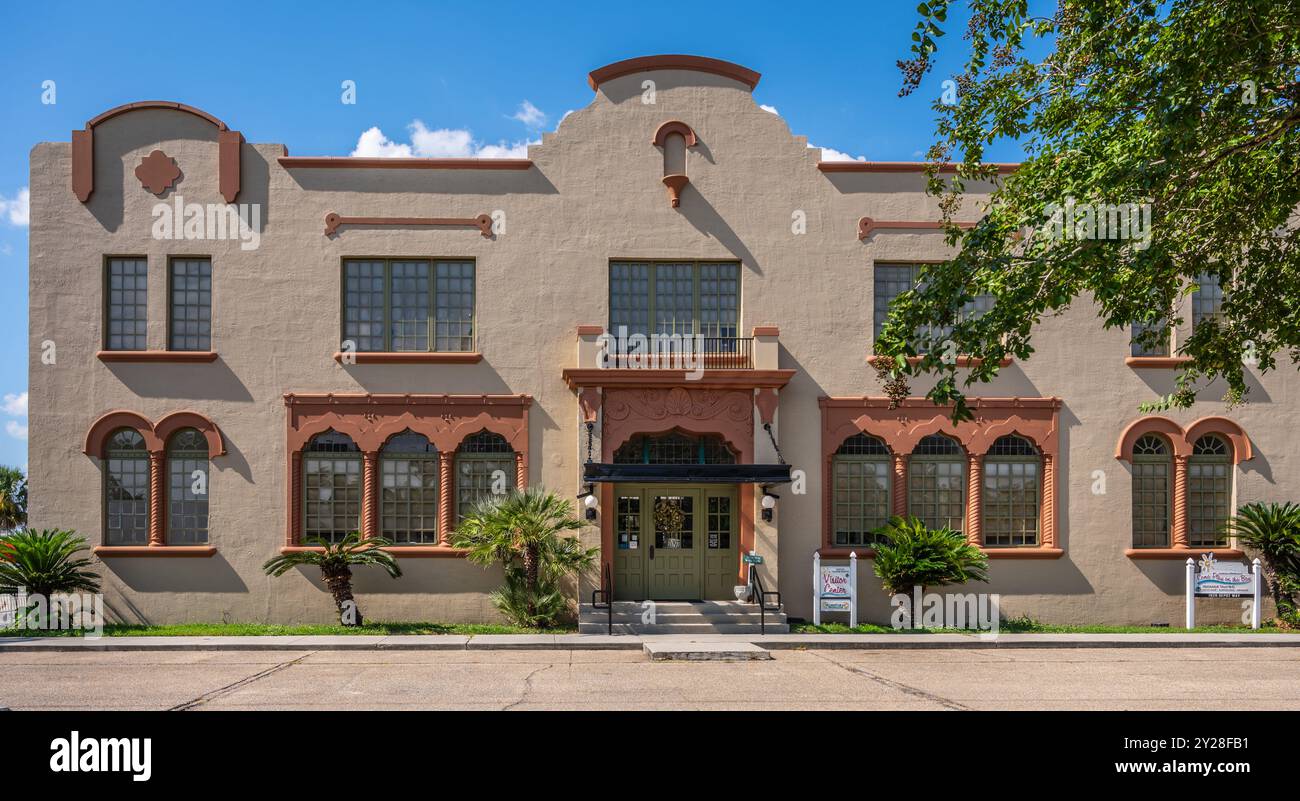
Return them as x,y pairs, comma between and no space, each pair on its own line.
831,154
18,209
6,249
769,109
530,115
15,405
436,143
13,429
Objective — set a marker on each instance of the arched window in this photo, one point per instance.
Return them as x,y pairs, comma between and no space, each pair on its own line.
1151,492
1011,496
675,448
126,489
936,483
332,488
862,470
1209,492
478,460
187,488
408,472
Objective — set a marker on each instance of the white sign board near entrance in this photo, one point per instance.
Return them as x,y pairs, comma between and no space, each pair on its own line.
1218,579
835,588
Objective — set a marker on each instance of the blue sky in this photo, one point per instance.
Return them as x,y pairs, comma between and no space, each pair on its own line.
479,79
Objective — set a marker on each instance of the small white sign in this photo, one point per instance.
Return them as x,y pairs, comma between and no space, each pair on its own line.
1224,579
836,581
837,605
835,588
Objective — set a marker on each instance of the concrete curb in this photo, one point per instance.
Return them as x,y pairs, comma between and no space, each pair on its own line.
601,642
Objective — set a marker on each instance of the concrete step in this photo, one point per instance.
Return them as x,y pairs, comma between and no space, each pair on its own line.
683,617
602,627
688,651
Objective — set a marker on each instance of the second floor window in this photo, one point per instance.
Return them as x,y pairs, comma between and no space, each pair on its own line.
684,298
892,280
1207,300
127,302
392,305
191,305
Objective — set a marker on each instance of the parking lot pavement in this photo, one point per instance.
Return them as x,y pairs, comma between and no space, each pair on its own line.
1085,678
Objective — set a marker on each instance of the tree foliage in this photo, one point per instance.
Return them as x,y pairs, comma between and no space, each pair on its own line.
1190,106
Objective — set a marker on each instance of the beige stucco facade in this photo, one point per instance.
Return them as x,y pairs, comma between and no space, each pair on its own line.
592,193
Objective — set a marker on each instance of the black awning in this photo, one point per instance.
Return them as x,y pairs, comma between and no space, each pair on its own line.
596,472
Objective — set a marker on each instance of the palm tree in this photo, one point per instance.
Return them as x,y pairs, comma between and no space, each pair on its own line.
909,554
13,498
1274,530
525,532
335,560
44,563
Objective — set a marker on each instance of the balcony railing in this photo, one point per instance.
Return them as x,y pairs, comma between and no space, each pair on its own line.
686,353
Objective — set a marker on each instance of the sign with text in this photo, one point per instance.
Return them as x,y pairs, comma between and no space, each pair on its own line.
836,588
752,559
1218,579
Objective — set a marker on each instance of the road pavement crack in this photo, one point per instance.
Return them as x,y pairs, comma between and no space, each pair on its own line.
239,685
915,692
528,688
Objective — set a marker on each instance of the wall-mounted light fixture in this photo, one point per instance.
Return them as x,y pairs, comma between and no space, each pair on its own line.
590,501
768,503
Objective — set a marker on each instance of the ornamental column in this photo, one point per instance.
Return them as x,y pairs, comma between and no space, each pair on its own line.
1048,538
156,531
521,472
369,494
1180,501
900,485
975,501
445,518
295,498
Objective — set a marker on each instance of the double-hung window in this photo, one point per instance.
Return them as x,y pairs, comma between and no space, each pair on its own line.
892,280
408,305
126,306
676,298
191,305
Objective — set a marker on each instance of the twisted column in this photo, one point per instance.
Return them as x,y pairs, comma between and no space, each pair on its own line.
1180,501
369,494
900,485
521,472
294,522
1047,538
445,511
975,501
156,530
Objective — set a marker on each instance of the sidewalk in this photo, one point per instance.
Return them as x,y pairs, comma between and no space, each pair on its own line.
593,642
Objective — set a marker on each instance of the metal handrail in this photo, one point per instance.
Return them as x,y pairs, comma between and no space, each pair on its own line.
712,353
606,593
756,591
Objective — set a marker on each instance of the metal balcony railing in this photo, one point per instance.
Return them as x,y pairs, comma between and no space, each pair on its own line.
688,353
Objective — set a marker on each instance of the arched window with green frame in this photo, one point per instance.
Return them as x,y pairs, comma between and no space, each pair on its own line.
187,488
408,477
126,489
485,464
1209,492
1152,492
1012,475
936,482
675,448
863,473
332,488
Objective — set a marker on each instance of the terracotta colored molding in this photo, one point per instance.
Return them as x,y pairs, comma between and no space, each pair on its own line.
482,222
1003,168
589,403
672,62
157,356
369,494
1179,538
1182,439
900,485
868,226
446,497
975,500
109,551
157,172
389,399
229,147
1157,362
354,162
157,488
1048,513
407,357
766,401
590,330
675,184
631,377
962,361
400,551
155,434
766,331
1182,553
1023,553
674,127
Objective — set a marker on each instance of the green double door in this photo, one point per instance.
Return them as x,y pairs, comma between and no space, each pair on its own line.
675,543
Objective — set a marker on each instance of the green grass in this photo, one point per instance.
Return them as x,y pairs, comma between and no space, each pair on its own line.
260,630
1022,625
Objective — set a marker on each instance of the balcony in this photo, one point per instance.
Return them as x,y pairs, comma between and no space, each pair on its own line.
604,360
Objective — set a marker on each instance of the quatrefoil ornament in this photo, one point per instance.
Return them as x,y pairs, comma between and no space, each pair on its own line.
157,172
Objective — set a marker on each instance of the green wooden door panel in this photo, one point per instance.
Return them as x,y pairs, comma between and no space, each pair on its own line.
721,542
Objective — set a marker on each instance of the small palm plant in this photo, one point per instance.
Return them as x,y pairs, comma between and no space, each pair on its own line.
45,562
911,555
1273,529
525,532
336,560
13,498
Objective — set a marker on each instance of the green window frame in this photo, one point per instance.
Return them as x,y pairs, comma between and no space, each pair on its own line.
863,489
718,522
408,479
675,448
936,483
332,487
628,523
126,489
892,279
1152,492
1207,300
1140,348
126,303
686,298
478,457
1012,493
190,304
1209,492
187,510
409,305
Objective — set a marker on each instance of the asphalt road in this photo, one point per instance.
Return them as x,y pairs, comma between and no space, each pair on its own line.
1084,678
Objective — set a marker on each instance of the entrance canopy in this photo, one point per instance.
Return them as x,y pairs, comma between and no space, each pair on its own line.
597,472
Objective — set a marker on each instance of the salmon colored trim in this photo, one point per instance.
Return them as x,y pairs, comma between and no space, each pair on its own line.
161,104
631,377
169,551
155,434
962,361
672,62
356,162
590,330
1182,439
371,419
406,357
1023,553
400,551
903,426
1003,168
1182,553
868,226
1157,362
482,222
675,184
766,331
157,356
674,127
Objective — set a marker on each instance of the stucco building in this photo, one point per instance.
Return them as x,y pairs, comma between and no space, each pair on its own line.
234,349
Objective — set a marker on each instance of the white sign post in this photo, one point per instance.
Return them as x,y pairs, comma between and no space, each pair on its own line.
1254,610
853,589
1191,593
1218,579
835,588
817,588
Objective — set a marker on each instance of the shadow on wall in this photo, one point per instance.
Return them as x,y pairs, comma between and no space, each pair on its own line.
143,574
700,213
419,576
211,381
423,182
1163,382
